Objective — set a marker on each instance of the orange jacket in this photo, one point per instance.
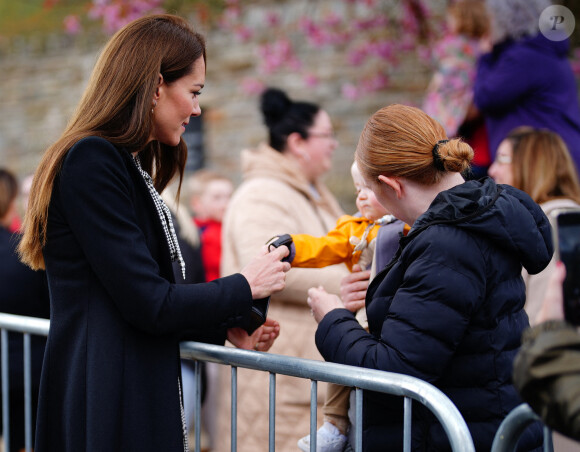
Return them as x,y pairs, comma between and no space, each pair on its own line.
337,246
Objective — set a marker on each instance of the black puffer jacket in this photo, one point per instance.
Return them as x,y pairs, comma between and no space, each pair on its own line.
449,310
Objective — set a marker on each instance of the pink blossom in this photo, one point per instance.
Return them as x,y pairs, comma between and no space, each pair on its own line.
407,42
332,20
356,56
116,13
373,37
314,33
276,55
272,19
311,81
375,83
72,25
243,33
350,92
382,49
374,22
252,86
424,53
294,63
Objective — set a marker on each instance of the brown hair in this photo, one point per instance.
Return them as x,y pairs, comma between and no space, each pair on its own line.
401,141
542,165
116,105
471,17
8,191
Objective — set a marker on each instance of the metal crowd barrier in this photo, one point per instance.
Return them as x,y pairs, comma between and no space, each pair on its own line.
512,427
27,326
391,383
409,388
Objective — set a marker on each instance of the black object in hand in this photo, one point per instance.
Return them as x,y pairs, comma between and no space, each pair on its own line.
260,307
258,314
279,240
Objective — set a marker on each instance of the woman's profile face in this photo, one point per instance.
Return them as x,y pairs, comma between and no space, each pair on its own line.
176,104
320,145
501,169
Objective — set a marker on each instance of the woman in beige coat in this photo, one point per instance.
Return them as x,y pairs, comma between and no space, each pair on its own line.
281,193
539,163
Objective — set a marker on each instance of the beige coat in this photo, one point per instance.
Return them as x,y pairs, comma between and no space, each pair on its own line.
275,198
536,284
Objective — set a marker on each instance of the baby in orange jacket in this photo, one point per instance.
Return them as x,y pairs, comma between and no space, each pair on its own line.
352,241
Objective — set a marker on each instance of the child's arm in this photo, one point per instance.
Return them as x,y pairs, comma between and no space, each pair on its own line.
317,252
334,248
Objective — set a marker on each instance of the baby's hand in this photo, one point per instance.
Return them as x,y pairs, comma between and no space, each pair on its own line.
321,302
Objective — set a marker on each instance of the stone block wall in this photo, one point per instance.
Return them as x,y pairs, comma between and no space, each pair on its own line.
40,90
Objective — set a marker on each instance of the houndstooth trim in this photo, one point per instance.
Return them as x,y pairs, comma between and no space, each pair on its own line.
183,424
164,216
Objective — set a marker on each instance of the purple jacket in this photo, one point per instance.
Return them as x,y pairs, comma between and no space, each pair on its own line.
528,82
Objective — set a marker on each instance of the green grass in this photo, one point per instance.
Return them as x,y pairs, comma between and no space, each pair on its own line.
27,17
33,17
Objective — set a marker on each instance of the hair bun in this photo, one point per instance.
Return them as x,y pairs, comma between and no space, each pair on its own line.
274,104
456,155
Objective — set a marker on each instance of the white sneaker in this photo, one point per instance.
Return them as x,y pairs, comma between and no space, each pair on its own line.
328,439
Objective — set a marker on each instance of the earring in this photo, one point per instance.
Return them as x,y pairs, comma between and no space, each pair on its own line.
154,105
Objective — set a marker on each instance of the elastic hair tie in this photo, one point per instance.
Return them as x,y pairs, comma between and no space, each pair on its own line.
436,157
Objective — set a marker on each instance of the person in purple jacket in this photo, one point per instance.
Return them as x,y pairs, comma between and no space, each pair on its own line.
526,78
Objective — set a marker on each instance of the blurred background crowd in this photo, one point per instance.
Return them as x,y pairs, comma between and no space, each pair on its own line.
481,69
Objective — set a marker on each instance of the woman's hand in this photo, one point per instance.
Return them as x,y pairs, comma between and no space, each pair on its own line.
266,273
321,302
353,288
261,339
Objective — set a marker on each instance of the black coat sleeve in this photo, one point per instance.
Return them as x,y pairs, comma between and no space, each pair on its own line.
99,204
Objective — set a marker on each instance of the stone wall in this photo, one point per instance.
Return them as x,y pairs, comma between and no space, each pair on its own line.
40,90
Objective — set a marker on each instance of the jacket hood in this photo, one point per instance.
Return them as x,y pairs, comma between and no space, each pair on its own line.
545,45
266,162
538,44
506,216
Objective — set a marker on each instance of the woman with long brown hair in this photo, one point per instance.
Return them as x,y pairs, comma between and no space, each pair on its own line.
96,222
449,307
538,162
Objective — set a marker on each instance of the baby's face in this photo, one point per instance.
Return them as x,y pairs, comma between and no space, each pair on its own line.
366,201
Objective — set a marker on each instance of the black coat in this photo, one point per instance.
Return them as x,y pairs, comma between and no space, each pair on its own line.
111,370
24,292
449,310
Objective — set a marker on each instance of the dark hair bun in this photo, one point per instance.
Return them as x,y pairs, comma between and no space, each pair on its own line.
274,104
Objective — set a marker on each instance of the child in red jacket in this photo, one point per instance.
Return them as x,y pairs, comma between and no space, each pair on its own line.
210,193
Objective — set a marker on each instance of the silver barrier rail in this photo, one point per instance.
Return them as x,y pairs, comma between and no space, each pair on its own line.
360,378
27,326
512,427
